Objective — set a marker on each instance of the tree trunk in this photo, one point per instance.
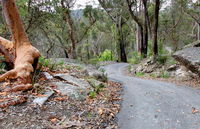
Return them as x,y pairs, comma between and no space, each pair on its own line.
6,48
67,17
155,28
198,35
145,42
26,56
122,52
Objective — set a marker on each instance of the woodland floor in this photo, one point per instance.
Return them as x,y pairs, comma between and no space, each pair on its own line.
60,111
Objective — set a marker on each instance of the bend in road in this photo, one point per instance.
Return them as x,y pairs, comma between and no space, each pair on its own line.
149,104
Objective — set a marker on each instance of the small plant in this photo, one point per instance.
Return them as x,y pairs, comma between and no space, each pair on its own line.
129,68
36,75
92,94
154,75
164,74
93,61
139,74
162,59
43,62
46,63
2,65
102,70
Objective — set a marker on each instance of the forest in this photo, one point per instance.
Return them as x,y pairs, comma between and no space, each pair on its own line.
121,30
106,64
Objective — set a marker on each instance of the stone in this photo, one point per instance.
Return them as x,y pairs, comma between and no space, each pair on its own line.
194,44
172,68
41,100
93,72
95,83
73,80
190,58
74,92
47,75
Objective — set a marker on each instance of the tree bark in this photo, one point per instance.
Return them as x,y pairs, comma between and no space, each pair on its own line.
67,17
198,35
145,42
26,56
6,48
140,27
155,28
122,52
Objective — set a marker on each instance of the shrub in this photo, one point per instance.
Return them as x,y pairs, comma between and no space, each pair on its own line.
164,74
136,58
139,74
106,56
51,65
162,59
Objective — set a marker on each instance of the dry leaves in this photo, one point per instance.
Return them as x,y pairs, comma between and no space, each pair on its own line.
194,110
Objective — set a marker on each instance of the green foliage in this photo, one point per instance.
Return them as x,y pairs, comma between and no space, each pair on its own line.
2,65
106,56
97,88
154,75
44,62
51,65
92,94
136,58
93,61
171,61
139,74
162,59
164,74
36,75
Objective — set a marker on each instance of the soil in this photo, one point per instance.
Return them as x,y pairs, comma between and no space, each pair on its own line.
59,112
63,112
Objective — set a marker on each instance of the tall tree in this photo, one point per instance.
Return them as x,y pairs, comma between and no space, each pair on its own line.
115,13
155,28
142,24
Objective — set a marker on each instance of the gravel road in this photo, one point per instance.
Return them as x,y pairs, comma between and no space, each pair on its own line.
149,104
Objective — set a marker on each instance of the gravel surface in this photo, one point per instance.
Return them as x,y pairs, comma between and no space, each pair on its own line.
149,104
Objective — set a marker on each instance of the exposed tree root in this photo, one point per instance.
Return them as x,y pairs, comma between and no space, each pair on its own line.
12,101
26,55
22,87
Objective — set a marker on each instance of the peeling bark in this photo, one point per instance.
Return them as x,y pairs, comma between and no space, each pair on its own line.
26,54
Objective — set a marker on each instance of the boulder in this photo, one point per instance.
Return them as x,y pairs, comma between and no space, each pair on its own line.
194,44
41,100
73,80
93,72
74,92
47,75
190,58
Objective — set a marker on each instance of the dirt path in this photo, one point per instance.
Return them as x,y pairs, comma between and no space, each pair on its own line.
149,104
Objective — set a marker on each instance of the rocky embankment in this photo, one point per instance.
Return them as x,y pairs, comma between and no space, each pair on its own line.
190,57
68,94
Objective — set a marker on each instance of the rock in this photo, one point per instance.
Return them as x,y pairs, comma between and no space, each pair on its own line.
47,75
194,44
73,80
93,72
190,58
41,100
95,83
139,69
72,91
172,68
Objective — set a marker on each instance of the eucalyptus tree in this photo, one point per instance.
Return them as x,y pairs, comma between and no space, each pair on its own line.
114,10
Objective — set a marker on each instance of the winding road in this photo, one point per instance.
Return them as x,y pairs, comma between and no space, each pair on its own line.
149,104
